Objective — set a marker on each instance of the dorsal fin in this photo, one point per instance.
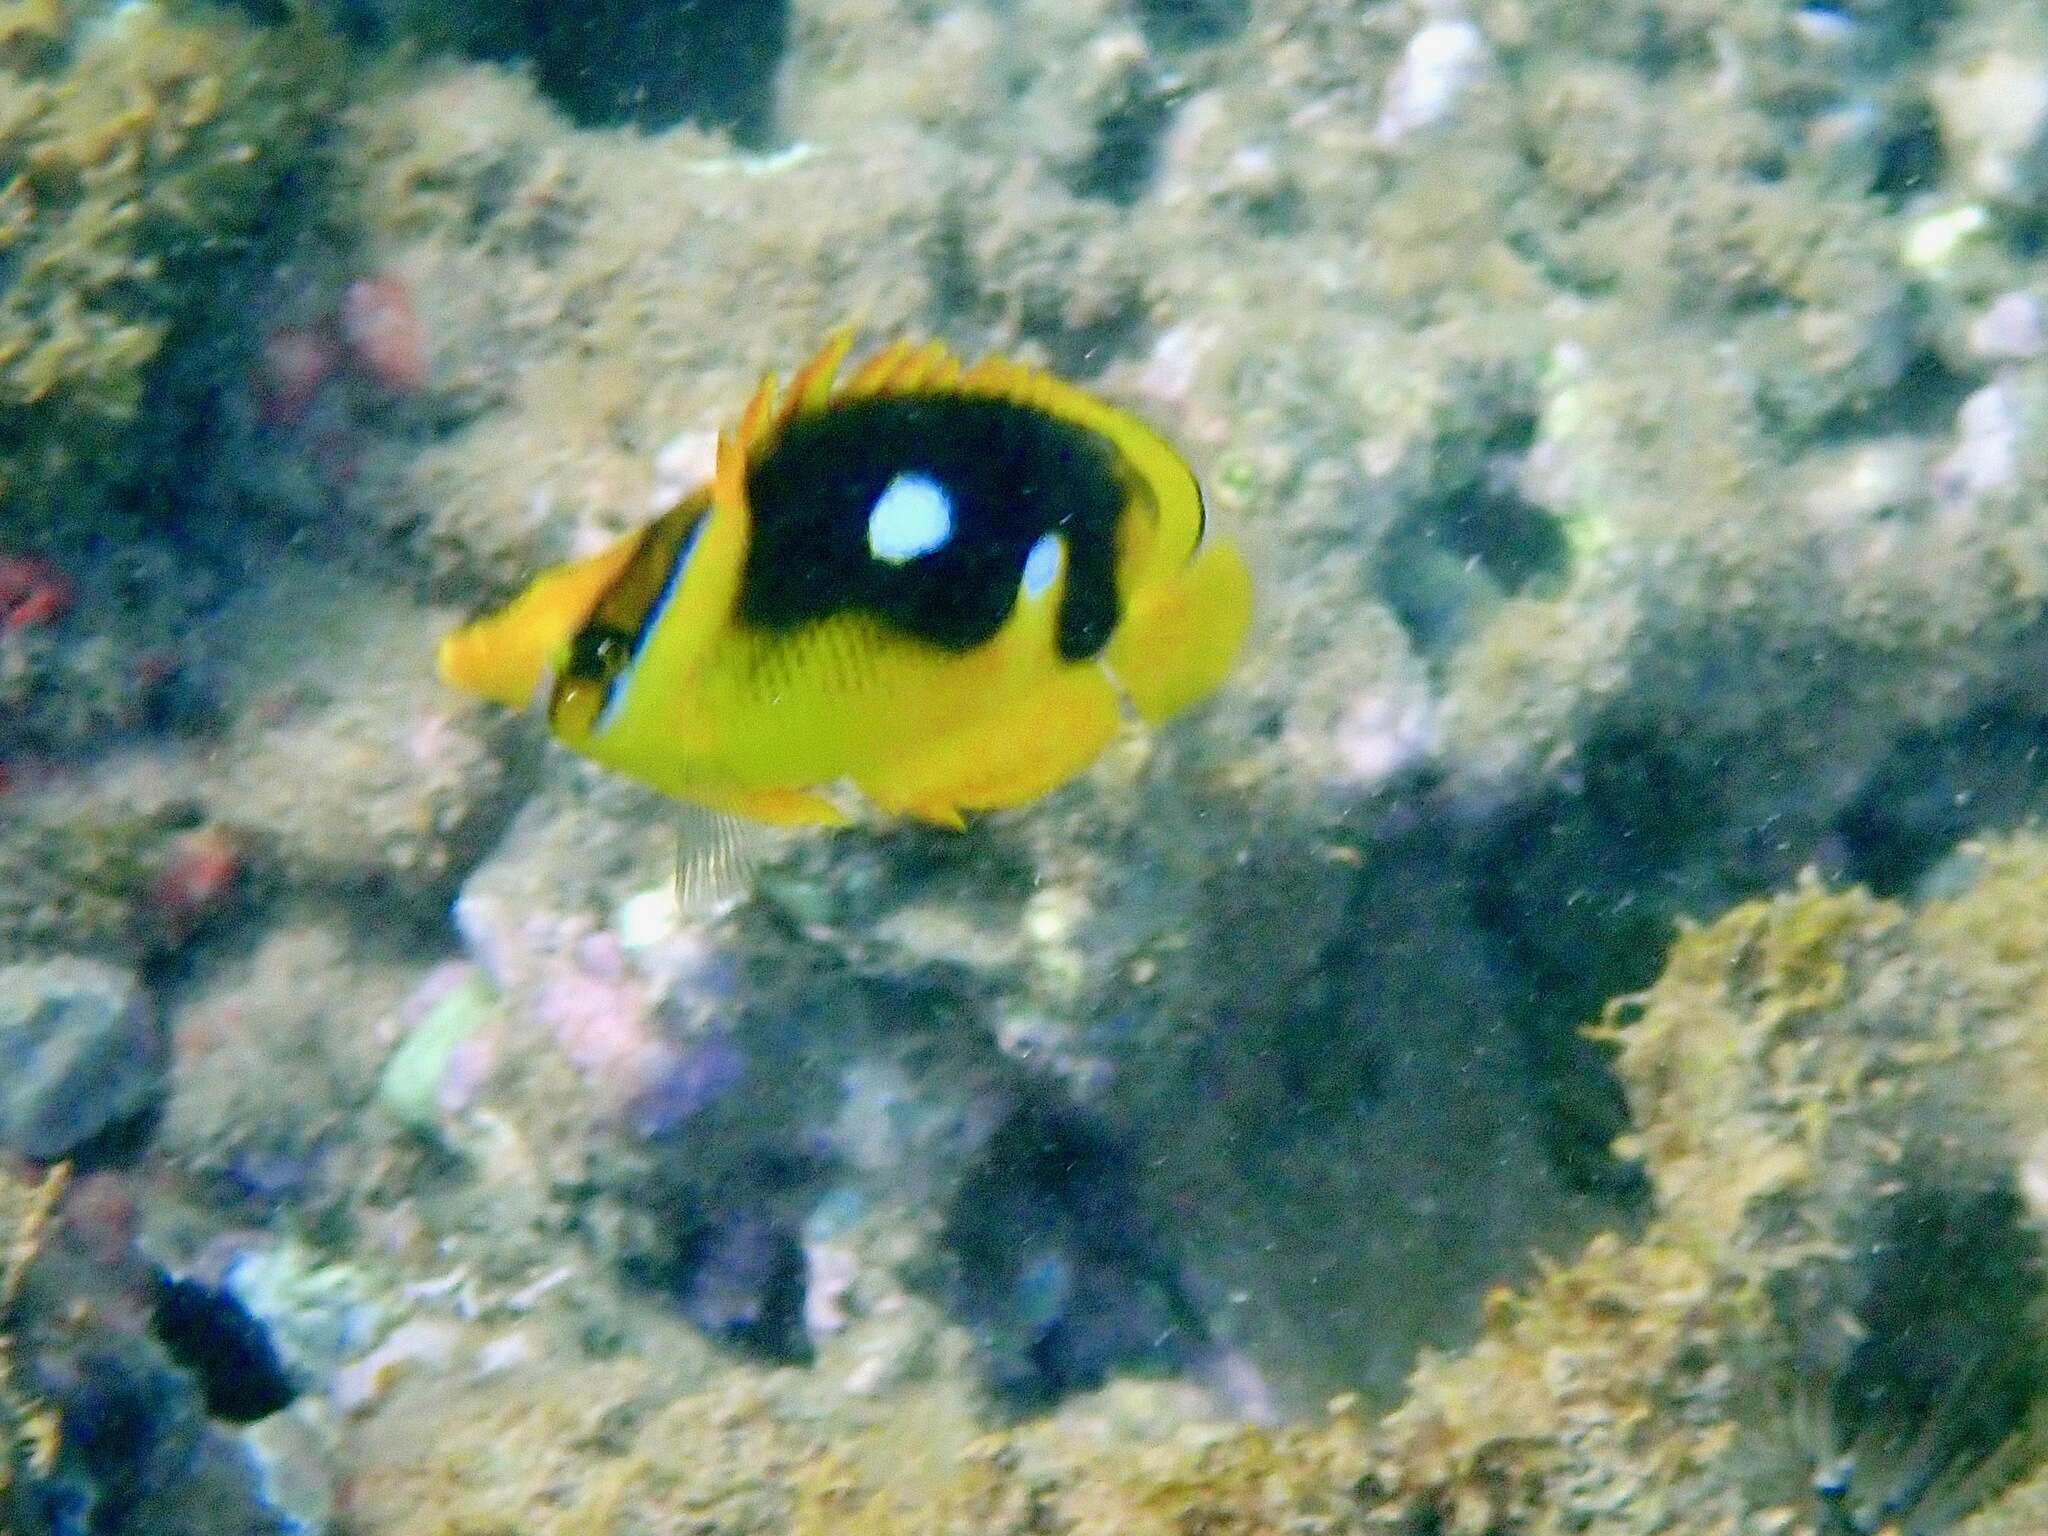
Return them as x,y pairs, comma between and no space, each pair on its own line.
812,386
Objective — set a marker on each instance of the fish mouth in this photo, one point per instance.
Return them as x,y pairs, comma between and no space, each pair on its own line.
509,657
476,661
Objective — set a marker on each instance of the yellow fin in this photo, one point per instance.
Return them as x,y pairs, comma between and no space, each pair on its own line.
880,374
756,418
901,367
1055,731
505,655
1180,636
930,367
812,386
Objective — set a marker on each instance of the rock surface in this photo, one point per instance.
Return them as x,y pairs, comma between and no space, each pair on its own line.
80,1052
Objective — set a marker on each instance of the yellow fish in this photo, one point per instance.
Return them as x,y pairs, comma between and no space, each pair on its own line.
932,581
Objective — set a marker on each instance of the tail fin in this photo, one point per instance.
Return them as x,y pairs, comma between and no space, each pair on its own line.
1181,636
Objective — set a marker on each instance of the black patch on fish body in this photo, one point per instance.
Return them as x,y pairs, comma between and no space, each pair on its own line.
1010,474
633,604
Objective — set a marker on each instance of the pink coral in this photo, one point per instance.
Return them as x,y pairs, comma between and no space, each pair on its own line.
385,333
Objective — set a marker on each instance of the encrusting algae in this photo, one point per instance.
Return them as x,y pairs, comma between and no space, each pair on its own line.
31,1428
138,153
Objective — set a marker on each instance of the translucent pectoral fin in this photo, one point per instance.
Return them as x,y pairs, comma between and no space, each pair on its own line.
717,857
1179,639
773,807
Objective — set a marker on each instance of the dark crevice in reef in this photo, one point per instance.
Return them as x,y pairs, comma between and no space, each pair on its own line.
612,63
1923,401
1448,561
948,261
1908,24
1082,334
1190,23
1583,882
1919,1361
1081,351
1051,1262
1120,165
1909,159
1987,772
1581,892
726,1251
2027,234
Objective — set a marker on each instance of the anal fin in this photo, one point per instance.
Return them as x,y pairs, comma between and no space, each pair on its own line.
722,836
1054,732
772,807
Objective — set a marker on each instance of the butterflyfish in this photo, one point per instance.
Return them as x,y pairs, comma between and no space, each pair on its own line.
938,583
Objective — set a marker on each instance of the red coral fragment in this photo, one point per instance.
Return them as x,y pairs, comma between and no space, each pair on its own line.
195,881
32,592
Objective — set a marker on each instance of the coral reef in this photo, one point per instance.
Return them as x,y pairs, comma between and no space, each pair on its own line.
1569,379
1517,476
1834,1320
125,1388
88,872
142,148
277,1055
1635,412
352,785
30,1429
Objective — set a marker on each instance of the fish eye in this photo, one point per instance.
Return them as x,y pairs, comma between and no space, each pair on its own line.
599,651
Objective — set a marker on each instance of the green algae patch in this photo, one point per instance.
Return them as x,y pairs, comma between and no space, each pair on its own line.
410,1084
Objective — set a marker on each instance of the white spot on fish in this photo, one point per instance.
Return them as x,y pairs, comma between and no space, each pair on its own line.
1042,565
913,516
